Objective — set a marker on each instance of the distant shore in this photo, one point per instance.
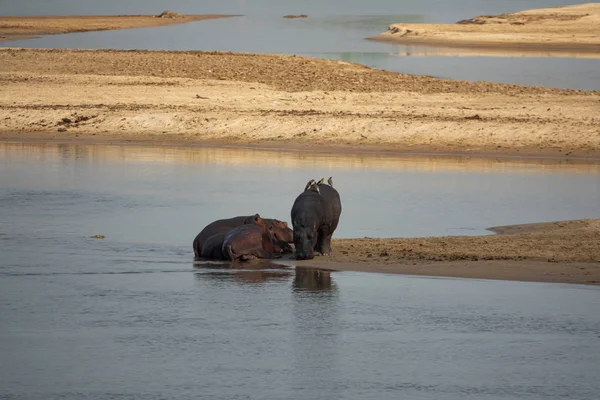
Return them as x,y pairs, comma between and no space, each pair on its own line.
19,28
560,252
276,101
557,31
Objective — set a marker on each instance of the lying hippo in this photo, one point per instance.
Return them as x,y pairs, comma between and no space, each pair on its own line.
221,226
211,247
315,215
249,241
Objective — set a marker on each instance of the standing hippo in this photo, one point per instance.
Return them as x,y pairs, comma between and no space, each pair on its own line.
315,215
250,241
222,226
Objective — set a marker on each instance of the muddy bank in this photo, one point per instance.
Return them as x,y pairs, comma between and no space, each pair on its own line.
564,251
165,97
18,28
557,31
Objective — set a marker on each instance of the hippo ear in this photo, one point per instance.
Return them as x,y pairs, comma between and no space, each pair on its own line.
286,224
271,228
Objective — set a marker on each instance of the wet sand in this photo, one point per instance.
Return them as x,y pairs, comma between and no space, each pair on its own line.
19,28
559,30
564,251
276,101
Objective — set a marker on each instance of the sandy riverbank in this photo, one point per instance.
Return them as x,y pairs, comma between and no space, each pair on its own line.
281,101
18,28
560,30
565,251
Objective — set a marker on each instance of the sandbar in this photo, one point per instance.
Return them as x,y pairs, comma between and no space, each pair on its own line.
557,31
559,252
278,101
27,27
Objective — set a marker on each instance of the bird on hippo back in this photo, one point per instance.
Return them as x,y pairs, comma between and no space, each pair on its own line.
315,216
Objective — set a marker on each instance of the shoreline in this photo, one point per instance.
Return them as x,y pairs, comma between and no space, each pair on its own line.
227,99
558,31
553,252
29,27
576,273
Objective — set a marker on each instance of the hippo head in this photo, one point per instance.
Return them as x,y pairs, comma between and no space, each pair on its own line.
280,246
305,239
281,231
256,220
274,245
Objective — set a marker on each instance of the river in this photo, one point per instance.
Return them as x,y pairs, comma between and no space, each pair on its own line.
130,316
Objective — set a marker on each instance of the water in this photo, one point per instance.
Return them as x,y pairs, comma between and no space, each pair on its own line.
162,330
166,195
335,29
130,316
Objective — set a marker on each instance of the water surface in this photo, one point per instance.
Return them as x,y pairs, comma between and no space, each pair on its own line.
154,194
162,330
132,317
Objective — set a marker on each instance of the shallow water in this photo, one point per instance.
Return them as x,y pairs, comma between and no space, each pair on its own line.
335,29
130,316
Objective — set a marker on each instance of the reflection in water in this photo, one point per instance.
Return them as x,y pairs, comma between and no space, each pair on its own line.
426,50
254,273
207,155
317,329
263,271
315,280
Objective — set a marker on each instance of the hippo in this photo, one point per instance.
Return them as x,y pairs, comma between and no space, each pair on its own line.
315,215
250,241
212,247
222,226
281,230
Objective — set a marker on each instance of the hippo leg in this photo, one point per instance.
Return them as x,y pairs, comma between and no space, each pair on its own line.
326,245
319,243
324,241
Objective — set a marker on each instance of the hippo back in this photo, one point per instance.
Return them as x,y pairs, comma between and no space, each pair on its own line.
212,247
219,226
324,206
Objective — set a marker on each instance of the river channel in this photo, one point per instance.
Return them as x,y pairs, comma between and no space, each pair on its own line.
334,29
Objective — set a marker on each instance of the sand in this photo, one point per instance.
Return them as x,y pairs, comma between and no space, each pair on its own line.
19,28
564,251
569,30
161,97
